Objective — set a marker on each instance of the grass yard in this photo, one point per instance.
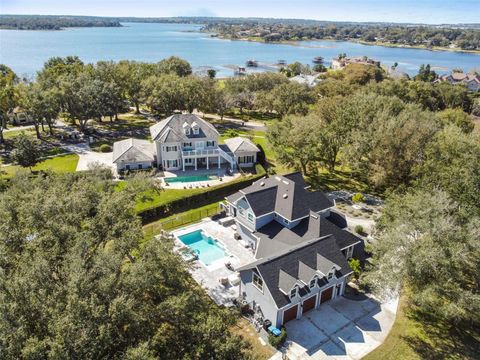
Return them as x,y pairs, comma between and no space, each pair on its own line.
257,350
178,220
415,336
30,132
59,164
395,345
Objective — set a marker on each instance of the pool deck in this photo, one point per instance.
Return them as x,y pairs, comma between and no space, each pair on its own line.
209,276
221,173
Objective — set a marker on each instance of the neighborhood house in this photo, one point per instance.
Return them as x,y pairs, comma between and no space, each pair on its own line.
300,243
184,142
470,80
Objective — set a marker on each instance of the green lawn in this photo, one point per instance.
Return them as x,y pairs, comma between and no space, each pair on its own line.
59,164
12,134
395,345
180,219
415,336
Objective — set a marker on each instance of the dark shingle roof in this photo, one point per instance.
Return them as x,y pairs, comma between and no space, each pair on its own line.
263,201
274,270
291,200
275,237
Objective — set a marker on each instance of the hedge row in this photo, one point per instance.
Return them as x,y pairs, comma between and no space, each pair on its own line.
209,196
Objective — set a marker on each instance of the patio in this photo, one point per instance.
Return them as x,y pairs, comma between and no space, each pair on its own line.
209,276
222,175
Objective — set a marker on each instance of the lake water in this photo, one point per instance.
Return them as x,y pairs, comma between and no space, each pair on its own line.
26,51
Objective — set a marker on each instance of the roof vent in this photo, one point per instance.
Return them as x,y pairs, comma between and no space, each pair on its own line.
277,178
262,183
285,196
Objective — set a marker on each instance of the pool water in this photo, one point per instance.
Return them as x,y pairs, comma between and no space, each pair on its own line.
185,179
207,248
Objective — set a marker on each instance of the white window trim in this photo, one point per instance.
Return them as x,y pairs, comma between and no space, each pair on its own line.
314,279
254,274
296,293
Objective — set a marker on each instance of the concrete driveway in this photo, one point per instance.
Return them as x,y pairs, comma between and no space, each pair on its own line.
341,329
87,156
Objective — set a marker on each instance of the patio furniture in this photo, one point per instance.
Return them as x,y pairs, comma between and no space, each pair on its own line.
234,279
227,221
229,266
223,281
237,236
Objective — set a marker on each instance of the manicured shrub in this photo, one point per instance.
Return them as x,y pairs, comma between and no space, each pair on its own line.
277,341
359,229
358,197
105,148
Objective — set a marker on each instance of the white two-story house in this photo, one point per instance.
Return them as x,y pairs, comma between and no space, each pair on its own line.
187,142
300,243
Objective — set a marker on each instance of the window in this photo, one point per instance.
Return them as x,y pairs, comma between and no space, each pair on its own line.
187,144
188,161
210,143
196,130
200,144
172,163
250,217
330,274
293,292
313,282
246,159
139,166
285,221
257,281
187,131
170,148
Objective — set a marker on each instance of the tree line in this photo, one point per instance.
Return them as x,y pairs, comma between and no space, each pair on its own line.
79,92
53,22
427,36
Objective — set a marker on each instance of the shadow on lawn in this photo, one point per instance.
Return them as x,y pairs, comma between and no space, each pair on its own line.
442,340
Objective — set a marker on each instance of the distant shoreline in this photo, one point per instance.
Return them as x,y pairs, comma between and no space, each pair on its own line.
367,43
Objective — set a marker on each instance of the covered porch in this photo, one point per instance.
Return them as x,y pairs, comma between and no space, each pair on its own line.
206,158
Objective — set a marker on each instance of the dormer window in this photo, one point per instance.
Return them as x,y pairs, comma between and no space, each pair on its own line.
195,128
186,128
293,292
313,282
331,274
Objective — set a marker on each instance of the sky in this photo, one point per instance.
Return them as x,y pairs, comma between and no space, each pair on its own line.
412,11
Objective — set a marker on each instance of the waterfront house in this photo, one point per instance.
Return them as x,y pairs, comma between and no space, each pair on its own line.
301,245
471,80
339,63
184,142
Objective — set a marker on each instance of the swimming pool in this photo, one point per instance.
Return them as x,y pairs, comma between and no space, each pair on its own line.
185,179
207,249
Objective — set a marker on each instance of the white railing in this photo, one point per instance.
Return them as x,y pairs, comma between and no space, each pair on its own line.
226,156
200,152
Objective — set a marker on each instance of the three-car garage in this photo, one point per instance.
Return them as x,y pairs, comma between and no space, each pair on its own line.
307,304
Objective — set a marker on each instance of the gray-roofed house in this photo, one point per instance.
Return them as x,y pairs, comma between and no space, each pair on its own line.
186,141
299,243
133,154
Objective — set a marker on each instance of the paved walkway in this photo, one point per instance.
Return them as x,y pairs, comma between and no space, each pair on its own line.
341,329
88,157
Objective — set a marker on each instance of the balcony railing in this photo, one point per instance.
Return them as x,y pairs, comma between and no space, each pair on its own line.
200,152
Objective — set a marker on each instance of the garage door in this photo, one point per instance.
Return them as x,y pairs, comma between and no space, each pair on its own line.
309,304
290,314
326,295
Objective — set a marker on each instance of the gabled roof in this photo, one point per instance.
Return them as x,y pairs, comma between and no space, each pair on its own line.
134,150
290,199
285,269
171,129
240,144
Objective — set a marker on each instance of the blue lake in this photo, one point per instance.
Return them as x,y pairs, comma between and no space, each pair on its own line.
26,51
